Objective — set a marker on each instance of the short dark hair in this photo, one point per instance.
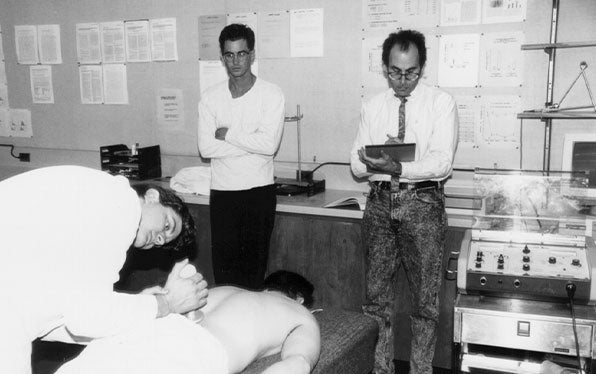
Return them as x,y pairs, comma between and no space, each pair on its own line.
291,284
168,198
405,38
237,31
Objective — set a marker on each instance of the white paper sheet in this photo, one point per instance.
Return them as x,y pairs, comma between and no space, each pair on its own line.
42,90
115,89
26,44
372,64
499,123
380,15
112,42
306,32
2,72
504,11
468,112
50,50
20,123
458,60
4,122
209,29
210,73
418,14
3,96
91,84
460,12
274,34
501,59
1,48
88,45
137,41
170,109
164,46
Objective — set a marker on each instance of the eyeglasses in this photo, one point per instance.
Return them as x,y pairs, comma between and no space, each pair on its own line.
231,56
396,76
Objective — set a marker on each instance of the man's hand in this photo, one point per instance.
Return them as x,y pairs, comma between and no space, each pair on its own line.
393,140
183,294
382,165
220,133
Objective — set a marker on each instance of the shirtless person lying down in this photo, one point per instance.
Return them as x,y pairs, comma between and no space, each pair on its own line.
239,327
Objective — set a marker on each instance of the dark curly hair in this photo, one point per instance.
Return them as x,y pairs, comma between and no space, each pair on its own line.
168,198
237,31
405,38
291,284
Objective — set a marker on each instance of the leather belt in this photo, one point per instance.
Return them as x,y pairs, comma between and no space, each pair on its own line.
386,185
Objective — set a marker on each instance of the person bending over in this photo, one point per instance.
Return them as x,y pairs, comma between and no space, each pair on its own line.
65,233
239,327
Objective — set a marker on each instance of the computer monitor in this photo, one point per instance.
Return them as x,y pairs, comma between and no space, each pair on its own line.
579,154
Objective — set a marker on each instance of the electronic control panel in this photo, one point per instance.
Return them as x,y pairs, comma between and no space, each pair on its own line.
532,270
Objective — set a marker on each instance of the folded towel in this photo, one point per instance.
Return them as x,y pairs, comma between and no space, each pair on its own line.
196,180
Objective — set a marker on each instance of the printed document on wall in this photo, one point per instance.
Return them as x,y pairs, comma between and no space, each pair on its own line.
4,122
460,12
137,41
20,123
504,11
418,14
380,15
26,44
42,91
3,96
306,32
170,109
112,42
50,50
501,59
209,29
88,45
458,60
468,113
498,123
91,84
164,46
274,34
115,88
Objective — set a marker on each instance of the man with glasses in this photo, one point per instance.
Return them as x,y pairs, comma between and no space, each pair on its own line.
405,221
240,128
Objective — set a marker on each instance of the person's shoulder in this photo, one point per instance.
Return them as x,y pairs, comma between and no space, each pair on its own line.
215,91
435,92
269,87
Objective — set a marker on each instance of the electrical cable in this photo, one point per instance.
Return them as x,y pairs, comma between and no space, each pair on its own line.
11,150
329,163
570,288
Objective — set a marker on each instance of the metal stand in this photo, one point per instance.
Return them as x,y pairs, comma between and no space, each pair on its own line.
297,119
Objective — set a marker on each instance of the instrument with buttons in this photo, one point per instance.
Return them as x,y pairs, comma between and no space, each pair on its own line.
534,269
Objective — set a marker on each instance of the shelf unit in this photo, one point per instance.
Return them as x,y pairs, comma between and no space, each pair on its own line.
547,116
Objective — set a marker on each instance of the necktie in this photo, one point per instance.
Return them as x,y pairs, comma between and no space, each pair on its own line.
402,119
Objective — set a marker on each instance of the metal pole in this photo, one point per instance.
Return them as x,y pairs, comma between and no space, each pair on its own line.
299,145
550,85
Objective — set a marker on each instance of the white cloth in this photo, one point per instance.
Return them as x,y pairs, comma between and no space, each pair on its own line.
431,123
65,231
255,121
172,344
195,180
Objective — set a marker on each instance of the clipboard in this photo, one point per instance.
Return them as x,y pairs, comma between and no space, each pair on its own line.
403,152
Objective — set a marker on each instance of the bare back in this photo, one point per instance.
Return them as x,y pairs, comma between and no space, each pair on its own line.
251,325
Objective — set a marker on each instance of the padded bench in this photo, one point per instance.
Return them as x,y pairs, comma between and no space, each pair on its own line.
347,344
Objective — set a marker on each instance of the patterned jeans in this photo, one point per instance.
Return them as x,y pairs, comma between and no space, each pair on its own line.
414,240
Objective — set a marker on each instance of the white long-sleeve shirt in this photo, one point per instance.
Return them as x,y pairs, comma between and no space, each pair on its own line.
431,123
65,231
255,125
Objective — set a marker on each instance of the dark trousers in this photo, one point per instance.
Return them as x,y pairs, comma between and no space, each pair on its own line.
414,240
241,226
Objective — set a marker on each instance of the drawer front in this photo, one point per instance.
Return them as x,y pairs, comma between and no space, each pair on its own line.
528,334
